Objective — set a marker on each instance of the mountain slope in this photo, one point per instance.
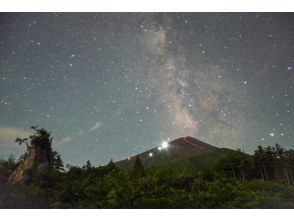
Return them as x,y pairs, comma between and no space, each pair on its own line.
185,152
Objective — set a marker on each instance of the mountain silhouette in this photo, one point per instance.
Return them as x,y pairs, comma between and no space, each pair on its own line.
187,152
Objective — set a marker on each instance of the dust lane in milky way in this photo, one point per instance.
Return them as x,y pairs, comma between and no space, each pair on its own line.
110,85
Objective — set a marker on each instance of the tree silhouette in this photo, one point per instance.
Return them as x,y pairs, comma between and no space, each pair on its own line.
87,166
111,165
40,138
57,162
259,159
138,169
236,164
21,141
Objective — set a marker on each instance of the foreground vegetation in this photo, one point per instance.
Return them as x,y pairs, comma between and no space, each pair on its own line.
235,180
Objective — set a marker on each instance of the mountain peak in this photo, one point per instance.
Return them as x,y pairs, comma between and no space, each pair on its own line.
177,149
190,142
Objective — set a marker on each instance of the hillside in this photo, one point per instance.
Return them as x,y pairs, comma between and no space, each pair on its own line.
185,152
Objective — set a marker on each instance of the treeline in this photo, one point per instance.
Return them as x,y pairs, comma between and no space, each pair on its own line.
275,163
267,164
236,180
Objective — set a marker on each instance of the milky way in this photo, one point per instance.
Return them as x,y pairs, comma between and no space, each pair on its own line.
111,85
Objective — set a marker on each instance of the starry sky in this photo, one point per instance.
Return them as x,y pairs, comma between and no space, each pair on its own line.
111,85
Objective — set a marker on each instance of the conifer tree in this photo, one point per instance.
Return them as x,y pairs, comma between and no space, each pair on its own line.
138,169
57,162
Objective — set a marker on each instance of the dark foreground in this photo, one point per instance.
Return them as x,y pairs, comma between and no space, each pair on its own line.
157,187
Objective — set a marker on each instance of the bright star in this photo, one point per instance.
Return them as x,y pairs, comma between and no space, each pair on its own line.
164,144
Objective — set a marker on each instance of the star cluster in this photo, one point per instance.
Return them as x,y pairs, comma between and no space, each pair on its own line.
111,85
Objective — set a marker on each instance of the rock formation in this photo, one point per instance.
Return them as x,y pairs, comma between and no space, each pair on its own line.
39,157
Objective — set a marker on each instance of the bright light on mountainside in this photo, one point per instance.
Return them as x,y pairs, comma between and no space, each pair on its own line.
164,144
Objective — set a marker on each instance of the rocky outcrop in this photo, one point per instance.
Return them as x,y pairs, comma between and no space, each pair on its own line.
38,159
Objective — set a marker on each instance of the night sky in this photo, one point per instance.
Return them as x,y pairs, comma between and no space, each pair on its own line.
111,85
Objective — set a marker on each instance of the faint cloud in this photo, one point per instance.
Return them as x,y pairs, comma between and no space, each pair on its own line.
66,139
96,126
62,141
8,136
7,132
80,133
